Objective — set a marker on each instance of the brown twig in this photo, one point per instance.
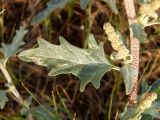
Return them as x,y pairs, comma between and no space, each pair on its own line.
135,45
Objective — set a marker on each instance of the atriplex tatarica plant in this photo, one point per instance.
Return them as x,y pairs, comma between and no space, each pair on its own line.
90,64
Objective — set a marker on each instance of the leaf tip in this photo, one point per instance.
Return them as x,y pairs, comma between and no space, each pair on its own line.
25,55
62,40
96,83
82,88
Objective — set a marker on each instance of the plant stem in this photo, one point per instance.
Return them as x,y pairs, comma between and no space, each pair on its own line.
87,23
116,68
12,88
43,107
111,101
135,46
2,23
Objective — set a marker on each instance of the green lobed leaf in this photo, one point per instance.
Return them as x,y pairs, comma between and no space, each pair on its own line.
154,110
89,65
26,106
127,113
3,98
147,117
155,85
150,113
14,47
43,114
143,1
92,42
128,73
144,86
158,93
156,88
138,32
112,5
51,6
84,3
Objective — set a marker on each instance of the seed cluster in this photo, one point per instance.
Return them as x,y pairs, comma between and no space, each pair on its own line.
121,51
148,10
145,103
146,100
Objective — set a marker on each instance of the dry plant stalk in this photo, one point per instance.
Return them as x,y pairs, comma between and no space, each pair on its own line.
12,88
135,46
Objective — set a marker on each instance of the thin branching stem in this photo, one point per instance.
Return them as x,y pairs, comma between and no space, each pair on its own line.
12,88
135,46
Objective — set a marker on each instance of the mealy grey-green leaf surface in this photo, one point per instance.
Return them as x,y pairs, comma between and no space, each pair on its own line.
138,32
3,98
112,5
127,113
84,3
89,65
143,1
43,114
14,47
55,4
51,6
154,110
147,117
155,85
128,73
144,87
